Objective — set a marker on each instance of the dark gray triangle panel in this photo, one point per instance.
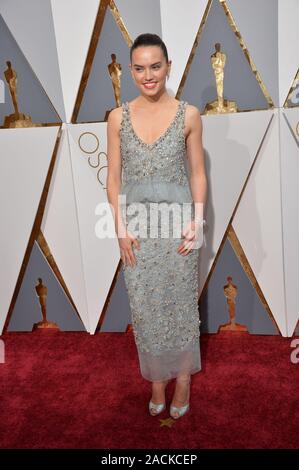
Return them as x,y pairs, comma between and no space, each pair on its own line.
98,95
248,308
118,313
32,99
240,84
27,308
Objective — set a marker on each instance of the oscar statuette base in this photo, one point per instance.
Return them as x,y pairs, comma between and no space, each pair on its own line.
45,325
216,108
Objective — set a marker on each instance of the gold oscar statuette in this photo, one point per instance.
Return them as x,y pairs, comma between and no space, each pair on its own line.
15,119
115,71
230,292
42,291
220,105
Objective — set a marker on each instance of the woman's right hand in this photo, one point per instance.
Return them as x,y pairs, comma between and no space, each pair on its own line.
126,248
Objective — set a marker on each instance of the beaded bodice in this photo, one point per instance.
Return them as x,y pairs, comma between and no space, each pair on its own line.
162,159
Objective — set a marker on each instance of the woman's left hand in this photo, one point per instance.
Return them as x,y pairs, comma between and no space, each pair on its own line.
191,235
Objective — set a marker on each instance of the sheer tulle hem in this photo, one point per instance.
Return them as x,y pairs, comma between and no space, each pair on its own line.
169,364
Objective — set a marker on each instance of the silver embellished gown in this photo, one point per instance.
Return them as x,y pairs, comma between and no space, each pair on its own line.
163,286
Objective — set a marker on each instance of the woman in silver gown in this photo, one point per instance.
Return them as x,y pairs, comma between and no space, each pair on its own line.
160,269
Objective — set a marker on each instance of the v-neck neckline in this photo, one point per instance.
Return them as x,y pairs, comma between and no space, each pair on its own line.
162,135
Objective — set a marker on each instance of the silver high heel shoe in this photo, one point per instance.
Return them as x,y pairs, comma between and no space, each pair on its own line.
157,408
179,411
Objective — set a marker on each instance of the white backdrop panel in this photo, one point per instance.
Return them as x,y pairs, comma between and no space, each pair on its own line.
179,40
25,159
73,23
292,118
230,152
290,205
100,256
61,229
258,224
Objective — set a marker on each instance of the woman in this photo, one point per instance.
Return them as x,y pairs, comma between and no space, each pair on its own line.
148,139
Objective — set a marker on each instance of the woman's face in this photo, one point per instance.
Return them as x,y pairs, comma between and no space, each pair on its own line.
149,69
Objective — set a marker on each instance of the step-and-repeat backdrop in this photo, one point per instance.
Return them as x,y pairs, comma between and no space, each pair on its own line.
64,64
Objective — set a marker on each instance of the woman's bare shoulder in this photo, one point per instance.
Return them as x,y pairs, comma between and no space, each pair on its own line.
192,110
192,113
115,117
192,118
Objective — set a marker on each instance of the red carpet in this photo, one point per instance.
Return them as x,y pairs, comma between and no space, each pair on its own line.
74,390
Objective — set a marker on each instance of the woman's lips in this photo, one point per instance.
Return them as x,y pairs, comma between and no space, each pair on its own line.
149,85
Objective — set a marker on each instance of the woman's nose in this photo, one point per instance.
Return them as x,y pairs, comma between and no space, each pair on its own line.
148,74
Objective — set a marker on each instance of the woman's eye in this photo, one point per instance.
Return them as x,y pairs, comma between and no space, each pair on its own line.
155,67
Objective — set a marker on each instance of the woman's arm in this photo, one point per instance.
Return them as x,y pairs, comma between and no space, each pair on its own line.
125,238
114,168
198,180
195,155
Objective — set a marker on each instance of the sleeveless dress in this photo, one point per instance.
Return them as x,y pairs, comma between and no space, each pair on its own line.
163,286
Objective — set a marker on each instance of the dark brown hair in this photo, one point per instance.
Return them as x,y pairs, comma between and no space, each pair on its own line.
149,39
